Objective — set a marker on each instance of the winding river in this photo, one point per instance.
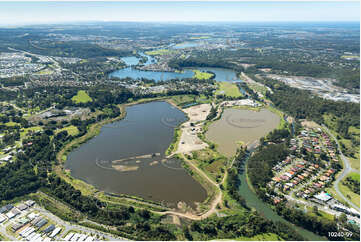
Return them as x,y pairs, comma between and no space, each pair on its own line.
264,209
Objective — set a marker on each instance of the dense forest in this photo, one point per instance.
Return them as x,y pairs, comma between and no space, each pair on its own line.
247,225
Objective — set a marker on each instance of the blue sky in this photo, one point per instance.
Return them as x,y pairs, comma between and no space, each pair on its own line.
53,12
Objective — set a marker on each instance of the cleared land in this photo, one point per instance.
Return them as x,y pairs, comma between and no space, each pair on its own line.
81,97
72,130
189,140
25,131
347,192
228,89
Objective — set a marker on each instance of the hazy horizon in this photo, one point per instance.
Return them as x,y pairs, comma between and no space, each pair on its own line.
29,13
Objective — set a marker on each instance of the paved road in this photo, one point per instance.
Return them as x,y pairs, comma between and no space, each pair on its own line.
5,234
346,169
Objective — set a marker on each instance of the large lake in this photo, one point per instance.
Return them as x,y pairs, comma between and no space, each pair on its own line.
128,157
222,74
151,75
242,125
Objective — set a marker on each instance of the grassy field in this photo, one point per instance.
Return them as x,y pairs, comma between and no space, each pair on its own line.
355,162
228,89
331,122
81,97
354,176
159,52
320,214
350,57
11,123
177,100
31,129
257,88
200,75
211,162
56,207
181,100
72,130
355,198
175,142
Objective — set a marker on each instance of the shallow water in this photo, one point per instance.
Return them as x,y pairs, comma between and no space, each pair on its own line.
243,125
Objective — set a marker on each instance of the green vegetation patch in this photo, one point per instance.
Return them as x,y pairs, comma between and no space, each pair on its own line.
228,89
81,97
261,237
210,161
354,176
159,52
72,130
350,57
355,161
25,131
183,99
56,207
200,75
258,88
347,192
11,123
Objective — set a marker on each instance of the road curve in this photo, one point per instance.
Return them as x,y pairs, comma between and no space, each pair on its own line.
346,169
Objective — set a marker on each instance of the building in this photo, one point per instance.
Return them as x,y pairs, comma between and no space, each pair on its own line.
49,229
323,197
22,207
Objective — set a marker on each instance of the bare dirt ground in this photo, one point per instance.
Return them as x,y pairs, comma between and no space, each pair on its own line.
189,140
310,124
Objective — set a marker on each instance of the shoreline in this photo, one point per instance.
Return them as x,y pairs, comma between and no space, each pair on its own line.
89,189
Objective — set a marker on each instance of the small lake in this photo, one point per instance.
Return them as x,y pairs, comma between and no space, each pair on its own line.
238,125
127,157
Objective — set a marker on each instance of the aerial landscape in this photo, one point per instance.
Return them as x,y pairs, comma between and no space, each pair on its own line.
179,121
